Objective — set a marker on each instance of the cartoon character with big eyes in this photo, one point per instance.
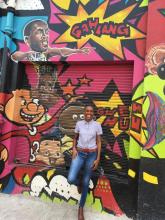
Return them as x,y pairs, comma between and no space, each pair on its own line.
69,116
50,152
24,110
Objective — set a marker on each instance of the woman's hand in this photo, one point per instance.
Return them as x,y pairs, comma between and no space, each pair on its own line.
95,164
74,153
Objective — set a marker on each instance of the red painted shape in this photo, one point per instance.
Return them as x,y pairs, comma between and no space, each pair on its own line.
155,26
140,43
103,191
20,172
116,149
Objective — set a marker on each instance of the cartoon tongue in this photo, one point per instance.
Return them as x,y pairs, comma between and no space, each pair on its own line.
155,121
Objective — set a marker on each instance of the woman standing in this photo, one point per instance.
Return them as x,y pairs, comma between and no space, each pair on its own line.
86,154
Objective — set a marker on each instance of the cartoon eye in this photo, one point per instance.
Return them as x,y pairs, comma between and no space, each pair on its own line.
36,101
46,153
161,71
74,117
23,102
82,116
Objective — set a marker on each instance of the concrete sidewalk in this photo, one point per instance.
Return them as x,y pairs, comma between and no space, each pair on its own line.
18,207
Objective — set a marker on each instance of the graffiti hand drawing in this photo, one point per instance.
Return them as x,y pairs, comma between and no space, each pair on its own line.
36,37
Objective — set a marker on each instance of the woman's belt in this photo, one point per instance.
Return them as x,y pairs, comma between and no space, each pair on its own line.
86,150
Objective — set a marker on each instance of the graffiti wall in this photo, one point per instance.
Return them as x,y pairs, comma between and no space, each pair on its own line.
62,56
151,176
38,131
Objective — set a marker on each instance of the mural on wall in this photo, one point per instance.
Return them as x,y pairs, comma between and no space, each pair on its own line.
46,127
107,31
103,32
149,130
147,127
155,115
52,97
151,135
147,137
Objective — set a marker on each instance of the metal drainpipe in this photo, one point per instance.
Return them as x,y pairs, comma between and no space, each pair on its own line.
9,29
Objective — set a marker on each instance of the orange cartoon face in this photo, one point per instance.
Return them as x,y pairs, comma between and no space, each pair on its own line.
23,109
50,153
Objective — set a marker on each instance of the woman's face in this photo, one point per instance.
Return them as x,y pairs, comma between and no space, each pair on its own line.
89,113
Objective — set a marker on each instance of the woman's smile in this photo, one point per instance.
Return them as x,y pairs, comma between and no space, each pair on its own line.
89,113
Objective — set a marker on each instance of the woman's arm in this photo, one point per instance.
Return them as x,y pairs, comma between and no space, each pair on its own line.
74,154
96,162
98,142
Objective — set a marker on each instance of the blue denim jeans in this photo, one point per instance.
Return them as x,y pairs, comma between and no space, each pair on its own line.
83,160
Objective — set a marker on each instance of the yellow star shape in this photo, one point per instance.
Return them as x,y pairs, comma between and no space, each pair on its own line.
112,103
113,45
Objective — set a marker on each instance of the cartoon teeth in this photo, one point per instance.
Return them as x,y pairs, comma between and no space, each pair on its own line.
38,183
58,184
27,116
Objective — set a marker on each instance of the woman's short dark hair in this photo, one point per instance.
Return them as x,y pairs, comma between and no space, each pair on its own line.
91,106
